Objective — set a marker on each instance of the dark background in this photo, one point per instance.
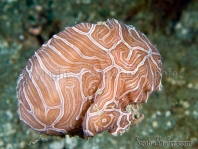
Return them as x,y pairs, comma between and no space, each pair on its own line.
172,25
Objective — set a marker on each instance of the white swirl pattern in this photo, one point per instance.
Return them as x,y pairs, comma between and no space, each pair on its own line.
81,81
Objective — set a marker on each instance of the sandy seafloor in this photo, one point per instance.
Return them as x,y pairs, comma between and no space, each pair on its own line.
172,25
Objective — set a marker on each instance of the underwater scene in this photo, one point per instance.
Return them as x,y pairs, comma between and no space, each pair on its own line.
117,74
